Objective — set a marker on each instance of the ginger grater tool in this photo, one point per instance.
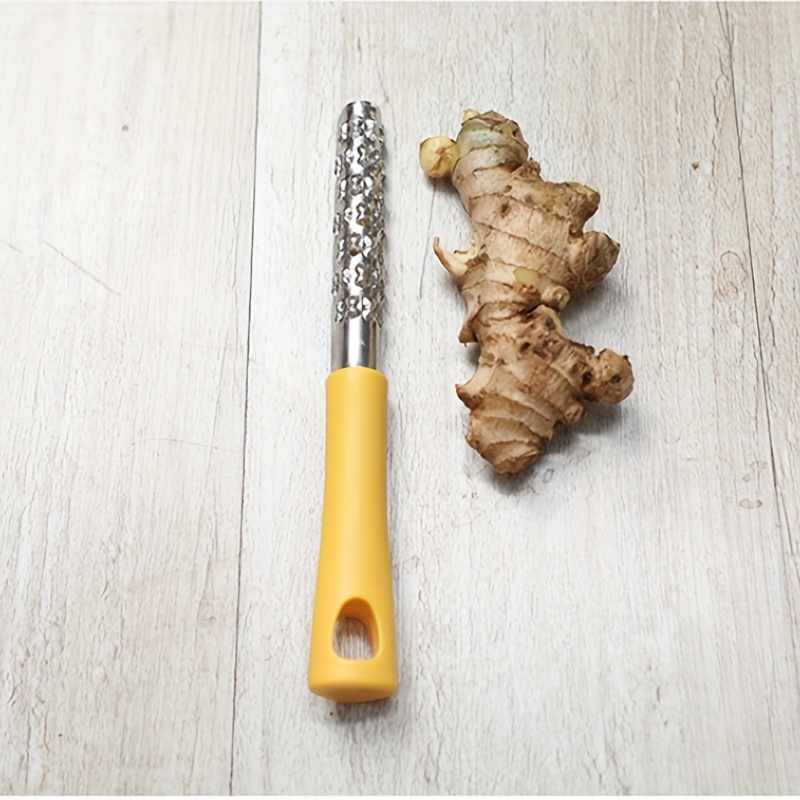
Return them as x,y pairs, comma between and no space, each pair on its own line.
354,577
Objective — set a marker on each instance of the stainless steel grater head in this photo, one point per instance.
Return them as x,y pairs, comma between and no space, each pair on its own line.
358,228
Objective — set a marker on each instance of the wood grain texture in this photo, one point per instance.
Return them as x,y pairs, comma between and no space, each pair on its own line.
125,219
620,618
625,617
764,53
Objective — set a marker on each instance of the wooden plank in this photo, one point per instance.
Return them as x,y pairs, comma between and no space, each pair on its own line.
125,224
763,45
616,620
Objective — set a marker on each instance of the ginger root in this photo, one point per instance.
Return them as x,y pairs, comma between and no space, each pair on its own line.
528,253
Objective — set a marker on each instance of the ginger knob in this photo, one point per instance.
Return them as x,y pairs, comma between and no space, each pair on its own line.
527,256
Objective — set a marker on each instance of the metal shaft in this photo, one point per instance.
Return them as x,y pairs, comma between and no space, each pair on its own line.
358,227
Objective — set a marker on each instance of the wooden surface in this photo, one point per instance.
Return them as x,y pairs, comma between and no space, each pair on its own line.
625,617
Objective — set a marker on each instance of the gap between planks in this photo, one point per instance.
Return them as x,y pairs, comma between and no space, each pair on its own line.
246,396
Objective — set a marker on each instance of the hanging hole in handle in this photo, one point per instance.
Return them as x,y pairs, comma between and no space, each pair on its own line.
355,633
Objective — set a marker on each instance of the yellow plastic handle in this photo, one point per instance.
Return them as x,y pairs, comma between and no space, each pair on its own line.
354,577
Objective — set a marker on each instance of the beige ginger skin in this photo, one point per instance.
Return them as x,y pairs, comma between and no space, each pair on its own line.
528,254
